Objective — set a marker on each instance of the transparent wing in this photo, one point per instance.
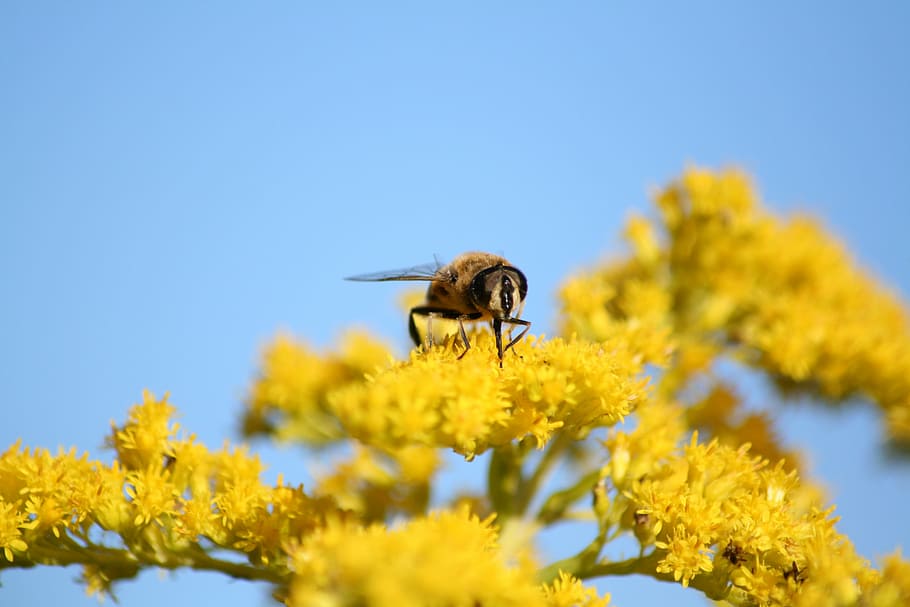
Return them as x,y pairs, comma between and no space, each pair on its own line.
425,272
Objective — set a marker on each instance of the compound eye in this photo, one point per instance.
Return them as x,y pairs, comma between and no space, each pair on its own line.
522,282
480,295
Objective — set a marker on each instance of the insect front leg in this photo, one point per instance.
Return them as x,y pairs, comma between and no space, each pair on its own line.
497,331
517,321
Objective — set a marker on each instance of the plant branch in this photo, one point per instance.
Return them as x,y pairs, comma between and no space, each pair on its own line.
529,487
128,562
647,565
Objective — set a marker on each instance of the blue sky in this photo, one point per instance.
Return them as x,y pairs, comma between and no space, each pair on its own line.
178,183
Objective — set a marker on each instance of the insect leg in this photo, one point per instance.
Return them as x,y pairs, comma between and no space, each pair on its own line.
430,312
464,336
497,331
517,321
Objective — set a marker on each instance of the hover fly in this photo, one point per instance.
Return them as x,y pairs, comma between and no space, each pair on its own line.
474,286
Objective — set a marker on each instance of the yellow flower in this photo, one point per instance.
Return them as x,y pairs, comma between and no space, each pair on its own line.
723,520
447,558
468,404
50,489
568,591
642,235
780,295
290,396
240,495
107,506
379,484
686,556
145,439
152,496
167,513
636,454
721,413
892,587
10,535
46,514
618,304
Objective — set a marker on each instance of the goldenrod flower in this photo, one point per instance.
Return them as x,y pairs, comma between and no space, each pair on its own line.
378,484
436,399
144,440
446,558
568,591
290,395
892,586
10,535
779,295
174,499
686,556
630,420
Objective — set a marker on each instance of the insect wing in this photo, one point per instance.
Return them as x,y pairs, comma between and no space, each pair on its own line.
425,272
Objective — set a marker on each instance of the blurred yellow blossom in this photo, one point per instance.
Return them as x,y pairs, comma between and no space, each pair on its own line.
568,591
892,586
289,398
378,484
446,558
780,295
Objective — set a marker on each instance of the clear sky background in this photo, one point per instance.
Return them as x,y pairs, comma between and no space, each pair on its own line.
179,182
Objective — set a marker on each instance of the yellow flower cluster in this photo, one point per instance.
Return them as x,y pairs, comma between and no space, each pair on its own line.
729,523
779,295
436,399
750,531
715,280
165,498
568,591
167,501
289,399
445,558
380,484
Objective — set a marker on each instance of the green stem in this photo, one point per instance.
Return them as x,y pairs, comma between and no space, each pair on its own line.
558,502
647,565
529,488
503,480
127,563
644,565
